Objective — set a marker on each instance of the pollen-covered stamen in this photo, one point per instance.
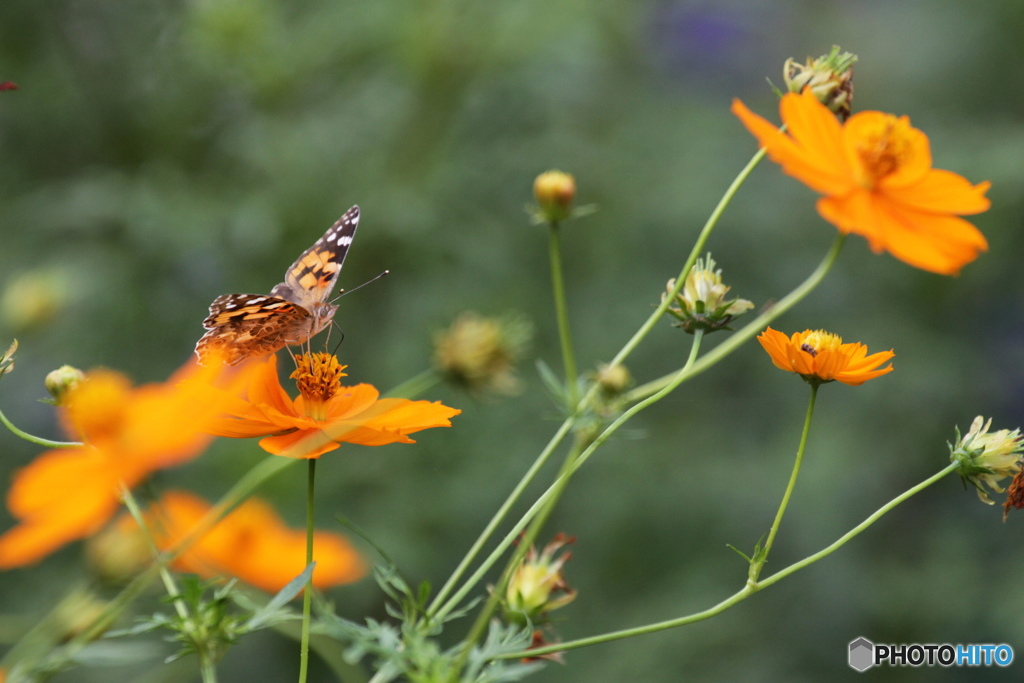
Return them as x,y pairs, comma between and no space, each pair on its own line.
820,340
885,149
318,377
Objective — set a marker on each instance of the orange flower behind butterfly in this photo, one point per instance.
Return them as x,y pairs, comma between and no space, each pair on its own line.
70,493
877,177
325,414
819,356
252,543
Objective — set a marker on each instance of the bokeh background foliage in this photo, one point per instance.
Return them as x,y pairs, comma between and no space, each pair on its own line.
158,154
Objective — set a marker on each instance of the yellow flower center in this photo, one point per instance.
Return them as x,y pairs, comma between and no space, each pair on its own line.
884,147
318,377
819,340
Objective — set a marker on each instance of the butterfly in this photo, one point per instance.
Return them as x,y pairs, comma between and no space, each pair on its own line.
242,326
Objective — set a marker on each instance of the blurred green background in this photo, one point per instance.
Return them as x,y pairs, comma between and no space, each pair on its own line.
158,154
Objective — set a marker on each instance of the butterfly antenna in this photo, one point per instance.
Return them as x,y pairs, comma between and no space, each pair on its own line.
349,291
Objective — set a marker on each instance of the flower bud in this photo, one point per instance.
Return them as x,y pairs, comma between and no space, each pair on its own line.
555,192
985,458
613,379
532,590
701,303
119,552
7,358
830,78
62,380
480,353
33,298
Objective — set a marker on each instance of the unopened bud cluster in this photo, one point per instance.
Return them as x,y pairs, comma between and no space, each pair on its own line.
701,303
829,77
985,458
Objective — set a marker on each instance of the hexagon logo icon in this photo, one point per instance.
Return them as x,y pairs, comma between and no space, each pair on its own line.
862,654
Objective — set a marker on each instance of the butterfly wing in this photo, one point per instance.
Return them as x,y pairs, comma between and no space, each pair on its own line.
241,326
311,279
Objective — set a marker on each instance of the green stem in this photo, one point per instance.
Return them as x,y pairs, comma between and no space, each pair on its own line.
36,439
561,312
752,328
440,612
307,597
169,584
698,247
619,358
748,590
680,376
529,537
207,667
415,386
252,479
538,513
761,556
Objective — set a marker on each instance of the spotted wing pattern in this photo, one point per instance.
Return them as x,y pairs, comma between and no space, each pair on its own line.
242,326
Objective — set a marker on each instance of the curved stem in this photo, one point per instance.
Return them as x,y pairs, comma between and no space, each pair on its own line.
762,556
547,500
562,314
748,590
752,328
307,597
698,247
440,612
414,386
169,584
36,439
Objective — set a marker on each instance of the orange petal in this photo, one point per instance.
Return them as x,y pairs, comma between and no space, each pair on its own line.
350,401
412,416
61,496
855,213
934,242
265,388
943,192
824,174
294,445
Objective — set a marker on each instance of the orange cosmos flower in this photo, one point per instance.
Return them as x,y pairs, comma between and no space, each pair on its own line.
819,356
325,414
251,543
67,494
877,177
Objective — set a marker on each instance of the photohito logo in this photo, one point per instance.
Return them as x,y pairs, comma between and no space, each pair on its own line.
864,654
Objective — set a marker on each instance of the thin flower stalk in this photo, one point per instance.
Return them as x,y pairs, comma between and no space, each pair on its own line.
698,248
170,585
500,515
729,344
576,463
742,594
562,314
307,597
752,328
759,560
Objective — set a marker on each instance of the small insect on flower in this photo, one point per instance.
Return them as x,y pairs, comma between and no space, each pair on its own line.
819,357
